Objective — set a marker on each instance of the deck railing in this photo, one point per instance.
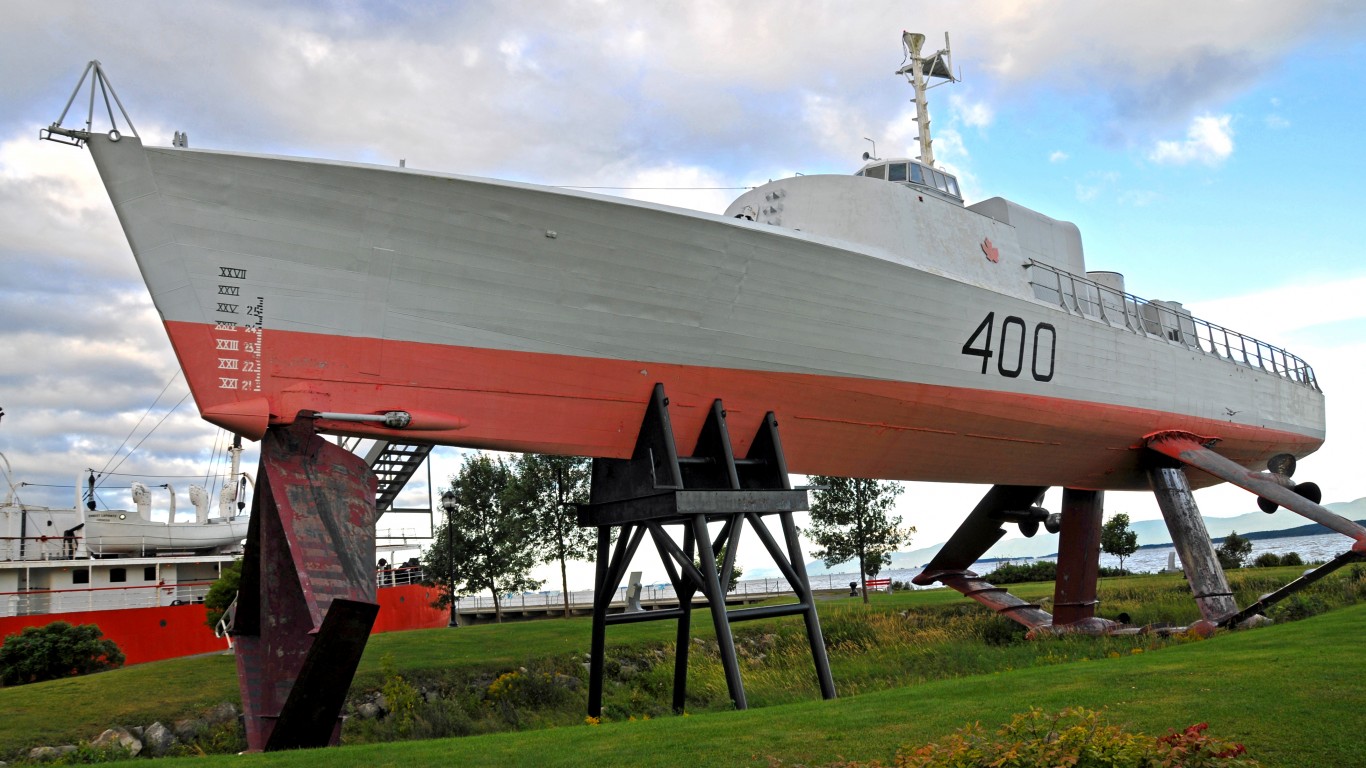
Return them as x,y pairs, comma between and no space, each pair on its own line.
1164,320
40,601
78,547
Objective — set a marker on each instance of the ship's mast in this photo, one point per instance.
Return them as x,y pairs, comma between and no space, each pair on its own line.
230,502
916,69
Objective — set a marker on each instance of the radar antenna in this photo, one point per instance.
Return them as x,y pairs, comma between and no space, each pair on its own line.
916,69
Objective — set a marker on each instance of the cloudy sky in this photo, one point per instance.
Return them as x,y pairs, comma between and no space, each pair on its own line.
1209,151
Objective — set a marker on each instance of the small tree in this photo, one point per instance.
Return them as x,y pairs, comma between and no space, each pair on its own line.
546,488
1116,538
54,651
492,541
1233,552
222,592
850,521
735,570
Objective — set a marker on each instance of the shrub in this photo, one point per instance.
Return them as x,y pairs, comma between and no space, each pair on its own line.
1298,606
1011,573
1039,570
399,695
998,630
1271,559
222,592
1073,736
54,651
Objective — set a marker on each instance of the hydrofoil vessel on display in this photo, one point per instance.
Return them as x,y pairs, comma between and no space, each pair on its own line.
892,328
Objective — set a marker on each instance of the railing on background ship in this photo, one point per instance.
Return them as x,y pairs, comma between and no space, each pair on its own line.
34,602
398,577
53,548
1164,320
40,548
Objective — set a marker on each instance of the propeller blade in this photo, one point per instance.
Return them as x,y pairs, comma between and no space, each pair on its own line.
1053,523
1029,528
1266,505
1310,491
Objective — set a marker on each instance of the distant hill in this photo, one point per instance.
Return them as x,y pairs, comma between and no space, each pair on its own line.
1151,533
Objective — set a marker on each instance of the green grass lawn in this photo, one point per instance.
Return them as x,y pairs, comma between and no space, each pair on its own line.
910,668
1291,693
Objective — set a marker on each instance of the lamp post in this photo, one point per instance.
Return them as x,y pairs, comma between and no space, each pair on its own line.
448,505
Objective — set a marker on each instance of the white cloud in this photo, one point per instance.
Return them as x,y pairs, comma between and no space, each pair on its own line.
975,114
1138,198
698,189
1209,141
1284,309
1057,156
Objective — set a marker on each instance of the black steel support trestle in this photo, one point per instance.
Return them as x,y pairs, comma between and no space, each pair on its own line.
656,489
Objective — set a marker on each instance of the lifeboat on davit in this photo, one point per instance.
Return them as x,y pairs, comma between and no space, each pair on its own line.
895,330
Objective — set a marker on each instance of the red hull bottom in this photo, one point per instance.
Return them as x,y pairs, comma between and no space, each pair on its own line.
155,634
529,402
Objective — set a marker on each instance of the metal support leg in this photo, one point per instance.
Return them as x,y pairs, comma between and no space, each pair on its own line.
683,637
307,598
813,623
716,596
1191,539
601,598
1074,593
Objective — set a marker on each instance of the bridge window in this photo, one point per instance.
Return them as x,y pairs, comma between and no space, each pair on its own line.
117,575
916,175
875,172
896,172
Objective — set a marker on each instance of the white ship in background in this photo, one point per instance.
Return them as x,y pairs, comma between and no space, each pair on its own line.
82,558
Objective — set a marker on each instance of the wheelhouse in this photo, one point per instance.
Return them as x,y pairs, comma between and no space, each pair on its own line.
914,174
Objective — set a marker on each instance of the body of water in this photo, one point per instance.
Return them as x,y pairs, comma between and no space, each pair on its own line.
1311,549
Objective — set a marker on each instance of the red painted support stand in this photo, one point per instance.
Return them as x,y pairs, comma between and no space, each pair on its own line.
1074,592
307,598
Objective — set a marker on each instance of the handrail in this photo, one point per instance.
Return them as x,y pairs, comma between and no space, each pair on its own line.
1088,298
398,577
37,602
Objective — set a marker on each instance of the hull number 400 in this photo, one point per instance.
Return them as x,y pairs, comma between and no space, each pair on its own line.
1014,337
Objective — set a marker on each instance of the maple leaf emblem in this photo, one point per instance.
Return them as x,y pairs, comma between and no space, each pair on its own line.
993,253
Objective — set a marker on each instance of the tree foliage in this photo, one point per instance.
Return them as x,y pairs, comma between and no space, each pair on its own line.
222,592
489,543
735,570
1116,538
546,488
1234,550
851,520
55,651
